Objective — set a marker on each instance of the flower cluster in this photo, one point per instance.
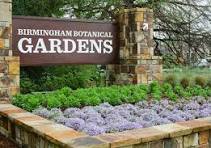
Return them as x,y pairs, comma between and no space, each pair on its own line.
106,118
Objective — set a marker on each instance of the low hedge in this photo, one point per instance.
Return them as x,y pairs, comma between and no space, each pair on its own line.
114,95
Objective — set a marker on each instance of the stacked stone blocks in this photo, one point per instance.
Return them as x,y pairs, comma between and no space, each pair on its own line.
9,65
137,61
9,77
29,130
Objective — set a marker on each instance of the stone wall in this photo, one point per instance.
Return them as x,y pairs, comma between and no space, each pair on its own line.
137,61
31,131
9,65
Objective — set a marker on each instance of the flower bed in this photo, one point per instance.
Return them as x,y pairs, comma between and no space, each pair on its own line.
118,108
106,118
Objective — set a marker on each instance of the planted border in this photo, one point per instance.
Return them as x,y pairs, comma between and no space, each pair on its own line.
30,130
114,95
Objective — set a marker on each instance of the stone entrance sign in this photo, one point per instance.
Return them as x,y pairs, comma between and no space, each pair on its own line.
47,41
125,47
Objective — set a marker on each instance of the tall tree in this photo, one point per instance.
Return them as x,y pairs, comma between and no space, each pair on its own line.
46,8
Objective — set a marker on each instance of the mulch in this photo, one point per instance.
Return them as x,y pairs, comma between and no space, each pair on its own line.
6,143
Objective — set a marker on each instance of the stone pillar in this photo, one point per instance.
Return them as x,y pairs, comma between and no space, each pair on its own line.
9,64
138,63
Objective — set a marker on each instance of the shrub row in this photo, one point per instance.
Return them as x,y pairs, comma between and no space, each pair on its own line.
50,78
114,95
187,81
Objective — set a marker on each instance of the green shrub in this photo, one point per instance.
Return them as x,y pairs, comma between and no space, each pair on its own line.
52,78
180,91
208,90
171,79
27,86
201,81
168,91
28,102
155,90
55,101
197,91
115,95
185,82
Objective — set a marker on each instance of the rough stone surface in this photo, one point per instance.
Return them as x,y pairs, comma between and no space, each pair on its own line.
175,130
191,140
9,77
196,125
9,65
203,137
174,143
87,142
30,130
156,144
138,63
142,145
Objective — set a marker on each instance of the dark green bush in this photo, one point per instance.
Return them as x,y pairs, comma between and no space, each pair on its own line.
201,81
185,82
51,78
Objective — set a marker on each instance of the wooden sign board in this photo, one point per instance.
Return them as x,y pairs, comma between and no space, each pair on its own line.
49,41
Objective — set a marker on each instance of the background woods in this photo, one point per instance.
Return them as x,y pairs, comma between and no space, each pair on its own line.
179,34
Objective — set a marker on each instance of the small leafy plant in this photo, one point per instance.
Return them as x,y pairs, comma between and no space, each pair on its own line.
114,95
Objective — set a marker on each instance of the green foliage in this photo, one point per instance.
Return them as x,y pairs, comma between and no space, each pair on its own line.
56,77
155,90
168,91
89,9
208,90
39,7
27,86
115,95
54,101
28,102
197,91
180,91
201,81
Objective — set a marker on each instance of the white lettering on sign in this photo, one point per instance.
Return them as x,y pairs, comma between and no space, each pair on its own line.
28,47
101,45
69,46
65,33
